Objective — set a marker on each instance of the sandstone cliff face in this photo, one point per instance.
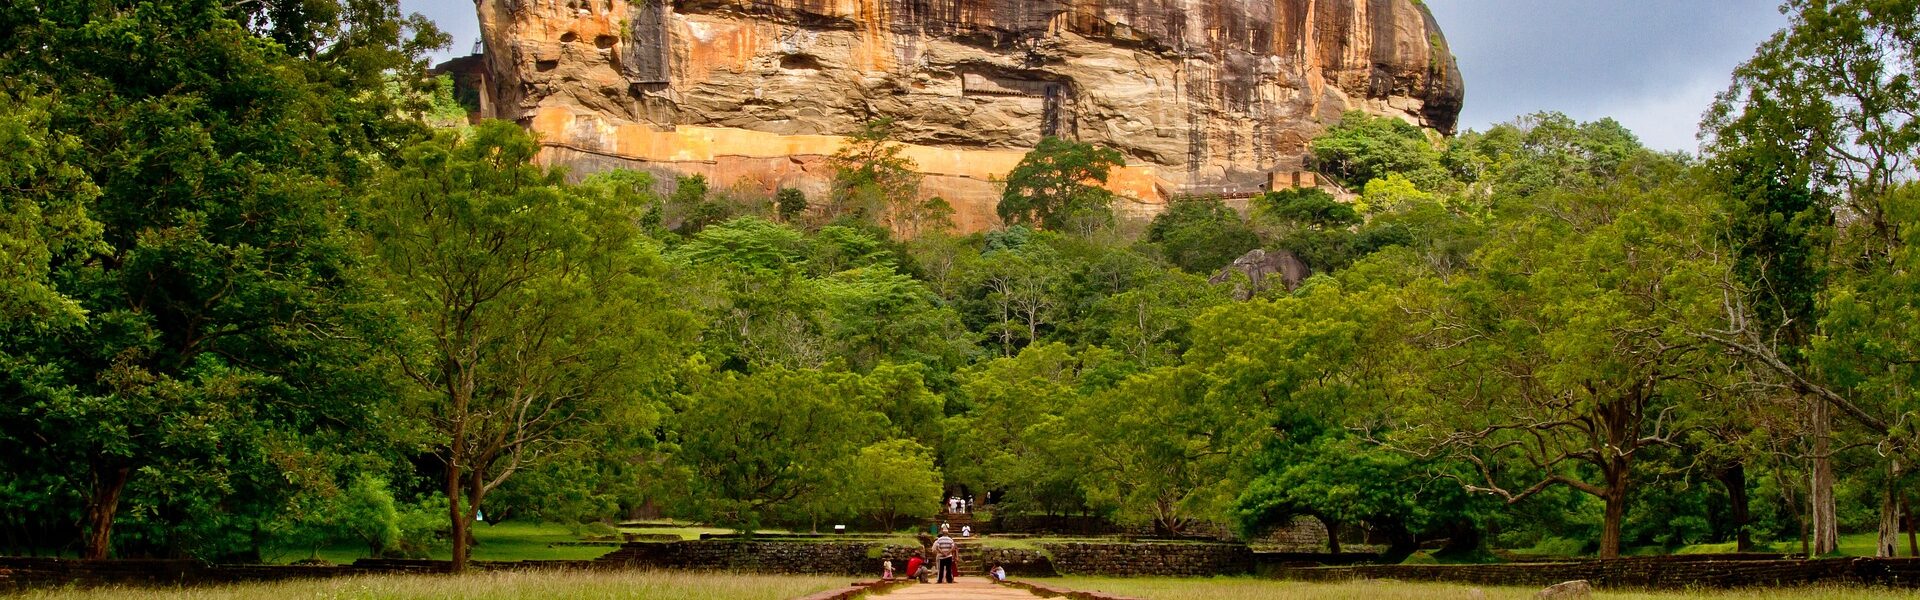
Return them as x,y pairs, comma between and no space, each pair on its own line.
1202,96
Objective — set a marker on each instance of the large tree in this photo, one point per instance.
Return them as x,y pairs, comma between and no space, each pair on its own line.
892,480
1058,186
1818,127
1201,235
1363,147
203,363
538,304
874,180
1157,448
777,444
1570,355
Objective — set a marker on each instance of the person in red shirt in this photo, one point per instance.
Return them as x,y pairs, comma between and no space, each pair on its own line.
913,567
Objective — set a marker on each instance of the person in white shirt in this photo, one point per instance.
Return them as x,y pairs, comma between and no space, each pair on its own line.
999,573
966,531
948,555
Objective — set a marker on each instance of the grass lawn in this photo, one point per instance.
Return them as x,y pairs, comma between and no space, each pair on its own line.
1851,544
510,540
635,585
1245,588
685,533
515,540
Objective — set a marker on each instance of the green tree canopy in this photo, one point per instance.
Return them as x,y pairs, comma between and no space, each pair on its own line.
1201,235
190,209
1058,186
1363,147
539,304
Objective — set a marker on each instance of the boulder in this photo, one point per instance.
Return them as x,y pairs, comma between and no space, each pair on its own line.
1264,270
1571,590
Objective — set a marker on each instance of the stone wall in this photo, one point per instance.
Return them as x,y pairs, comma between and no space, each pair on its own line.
1302,534
1165,560
1653,572
829,558
1019,562
1263,561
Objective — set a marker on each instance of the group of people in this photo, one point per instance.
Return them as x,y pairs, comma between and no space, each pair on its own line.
948,560
947,529
945,553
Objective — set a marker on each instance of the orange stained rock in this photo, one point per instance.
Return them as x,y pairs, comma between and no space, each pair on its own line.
719,44
697,144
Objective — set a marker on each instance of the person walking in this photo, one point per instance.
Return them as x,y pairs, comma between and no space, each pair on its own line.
948,555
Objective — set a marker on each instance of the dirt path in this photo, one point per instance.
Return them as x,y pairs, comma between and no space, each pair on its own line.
966,588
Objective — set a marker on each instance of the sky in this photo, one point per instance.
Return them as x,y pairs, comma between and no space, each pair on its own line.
1654,65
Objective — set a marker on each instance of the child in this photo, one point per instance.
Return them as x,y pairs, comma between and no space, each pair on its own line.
886,569
999,573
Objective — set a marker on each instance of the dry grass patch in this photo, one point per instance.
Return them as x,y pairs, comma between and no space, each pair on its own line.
516,585
1246,588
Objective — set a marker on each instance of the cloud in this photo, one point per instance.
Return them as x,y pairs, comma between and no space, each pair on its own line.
1668,120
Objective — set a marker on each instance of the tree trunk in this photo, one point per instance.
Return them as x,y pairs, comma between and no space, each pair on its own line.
1889,538
1333,533
1820,501
1400,543
102,506
476,492
458,531
1806,540
1616,511
1734,478
1913,542
1464,540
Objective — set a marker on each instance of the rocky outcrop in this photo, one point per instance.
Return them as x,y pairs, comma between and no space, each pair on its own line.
1202,96
1259,266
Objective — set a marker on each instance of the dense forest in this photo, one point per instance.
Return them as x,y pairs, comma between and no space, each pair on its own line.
264,288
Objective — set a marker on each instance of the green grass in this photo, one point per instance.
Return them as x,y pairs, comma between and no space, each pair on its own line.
1246,588
686,532
508,541
588,585
515,541
1851,544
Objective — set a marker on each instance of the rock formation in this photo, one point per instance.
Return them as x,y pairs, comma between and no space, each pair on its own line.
1259,265
1202,96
